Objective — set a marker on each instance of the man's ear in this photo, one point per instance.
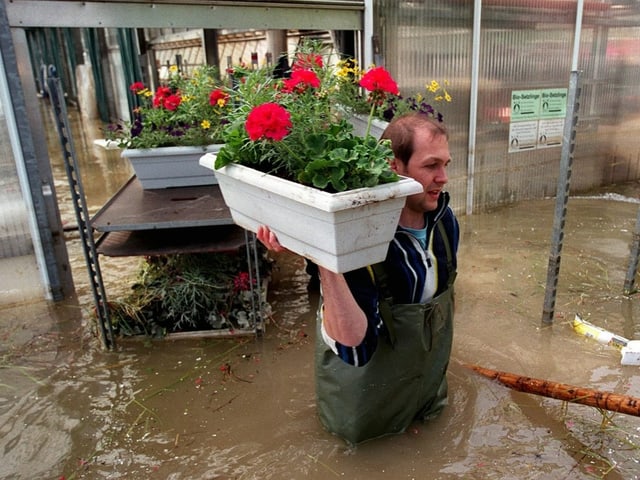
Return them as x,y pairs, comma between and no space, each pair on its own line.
393,163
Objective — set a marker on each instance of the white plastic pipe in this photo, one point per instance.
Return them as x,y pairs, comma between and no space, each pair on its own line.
576,36
473,104
368,33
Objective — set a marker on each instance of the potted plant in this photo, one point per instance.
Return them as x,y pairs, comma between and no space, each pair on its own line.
367,112
292,161
172,127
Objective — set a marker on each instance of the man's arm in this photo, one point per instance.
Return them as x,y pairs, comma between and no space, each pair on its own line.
344,320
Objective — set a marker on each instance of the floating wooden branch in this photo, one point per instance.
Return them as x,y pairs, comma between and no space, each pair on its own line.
562,391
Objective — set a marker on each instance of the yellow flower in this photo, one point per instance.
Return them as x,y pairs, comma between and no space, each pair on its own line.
342,72
205,124
347,69
433,87
173,69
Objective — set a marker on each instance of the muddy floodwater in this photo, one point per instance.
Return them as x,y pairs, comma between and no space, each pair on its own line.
244,408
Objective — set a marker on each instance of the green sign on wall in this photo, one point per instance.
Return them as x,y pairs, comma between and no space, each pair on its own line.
537,118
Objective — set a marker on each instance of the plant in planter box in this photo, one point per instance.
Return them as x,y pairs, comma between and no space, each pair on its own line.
389,106
185,111
291,160
189,292
291,128
172,127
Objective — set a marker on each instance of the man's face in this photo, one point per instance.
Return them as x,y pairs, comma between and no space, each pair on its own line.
428,166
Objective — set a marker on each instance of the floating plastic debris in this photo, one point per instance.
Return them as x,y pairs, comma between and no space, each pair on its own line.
600,335
630,349
631,353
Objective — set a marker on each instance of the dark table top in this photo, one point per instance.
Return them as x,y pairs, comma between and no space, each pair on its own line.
133,208
166,221
218,239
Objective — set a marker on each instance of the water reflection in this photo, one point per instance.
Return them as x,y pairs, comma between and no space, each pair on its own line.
102,170
170,410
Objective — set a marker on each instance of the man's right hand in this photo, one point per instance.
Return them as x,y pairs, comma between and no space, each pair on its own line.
269,239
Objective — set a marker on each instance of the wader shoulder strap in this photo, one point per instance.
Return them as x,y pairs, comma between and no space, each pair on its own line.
380,278
451,272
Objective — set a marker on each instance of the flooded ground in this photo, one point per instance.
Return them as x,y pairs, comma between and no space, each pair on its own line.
245,408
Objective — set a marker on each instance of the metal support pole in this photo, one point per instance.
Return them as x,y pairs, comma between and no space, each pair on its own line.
562,196
630,280
255,281
80,208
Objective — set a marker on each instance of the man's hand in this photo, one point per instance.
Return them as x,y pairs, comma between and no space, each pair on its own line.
269,239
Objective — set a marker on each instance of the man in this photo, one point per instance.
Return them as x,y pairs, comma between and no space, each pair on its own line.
385,331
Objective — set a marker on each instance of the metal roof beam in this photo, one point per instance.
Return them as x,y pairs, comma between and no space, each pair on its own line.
303,15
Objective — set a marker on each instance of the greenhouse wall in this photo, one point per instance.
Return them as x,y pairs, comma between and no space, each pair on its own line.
524,46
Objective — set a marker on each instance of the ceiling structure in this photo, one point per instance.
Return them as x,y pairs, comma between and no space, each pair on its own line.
282,14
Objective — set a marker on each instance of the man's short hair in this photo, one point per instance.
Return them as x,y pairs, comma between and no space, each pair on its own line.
401,132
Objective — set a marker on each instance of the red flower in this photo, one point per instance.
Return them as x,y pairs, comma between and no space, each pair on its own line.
269,121
241,282
161,94
300,80
305,61
378,80
172,101
218,98
137,87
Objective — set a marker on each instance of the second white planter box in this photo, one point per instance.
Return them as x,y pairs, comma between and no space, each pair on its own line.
360,121
340,231
167,167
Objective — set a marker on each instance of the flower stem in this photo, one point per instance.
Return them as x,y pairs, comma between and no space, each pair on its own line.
373,108
291,153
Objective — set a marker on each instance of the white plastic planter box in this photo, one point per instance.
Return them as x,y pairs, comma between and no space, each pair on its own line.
340,231
167,167
359,123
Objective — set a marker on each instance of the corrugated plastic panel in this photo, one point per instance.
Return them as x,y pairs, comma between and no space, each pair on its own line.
15,237
425,41
524,45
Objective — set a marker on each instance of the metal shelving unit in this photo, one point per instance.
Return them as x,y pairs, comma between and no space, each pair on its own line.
137,222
